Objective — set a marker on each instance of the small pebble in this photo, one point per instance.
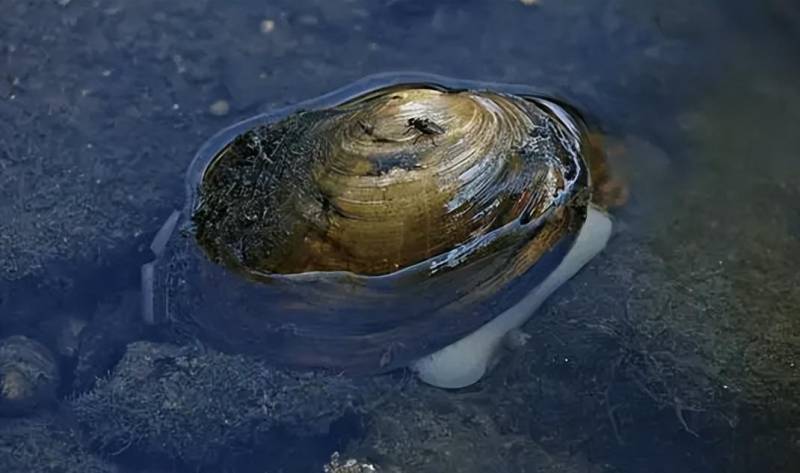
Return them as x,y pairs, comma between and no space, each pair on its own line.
219,108
267,26
29,375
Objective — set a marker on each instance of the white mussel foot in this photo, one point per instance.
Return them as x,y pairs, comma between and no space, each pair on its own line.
466,361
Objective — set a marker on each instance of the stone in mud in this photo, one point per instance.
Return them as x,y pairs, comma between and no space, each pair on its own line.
29,376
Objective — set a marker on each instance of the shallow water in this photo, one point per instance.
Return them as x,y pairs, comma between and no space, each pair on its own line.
677,349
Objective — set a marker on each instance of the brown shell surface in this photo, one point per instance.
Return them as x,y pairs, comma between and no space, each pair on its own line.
361,236
358,189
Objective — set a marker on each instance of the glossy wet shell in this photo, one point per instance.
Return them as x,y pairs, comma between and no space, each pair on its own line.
358,189
341,237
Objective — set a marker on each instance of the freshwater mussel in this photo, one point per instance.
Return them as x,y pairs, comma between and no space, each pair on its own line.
400,222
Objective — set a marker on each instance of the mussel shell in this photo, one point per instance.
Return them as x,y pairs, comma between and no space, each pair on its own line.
351,244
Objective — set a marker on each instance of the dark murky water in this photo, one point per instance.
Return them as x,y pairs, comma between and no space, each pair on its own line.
677,349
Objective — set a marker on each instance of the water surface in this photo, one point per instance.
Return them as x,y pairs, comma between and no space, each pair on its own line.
677,349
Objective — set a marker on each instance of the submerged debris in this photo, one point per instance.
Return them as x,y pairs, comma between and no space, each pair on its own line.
348,466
